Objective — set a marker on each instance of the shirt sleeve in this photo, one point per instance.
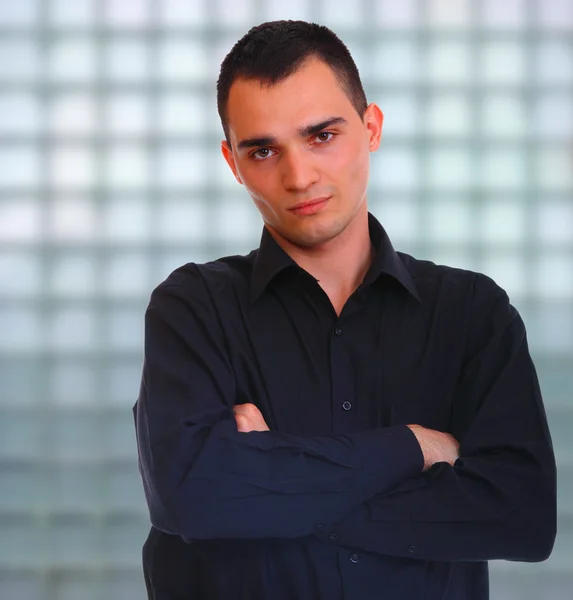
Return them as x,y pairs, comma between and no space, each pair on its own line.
203,479
498,501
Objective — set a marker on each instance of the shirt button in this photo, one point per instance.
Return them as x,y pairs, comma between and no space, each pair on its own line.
412,549
333,536
338,331
354,558
320,526
347,405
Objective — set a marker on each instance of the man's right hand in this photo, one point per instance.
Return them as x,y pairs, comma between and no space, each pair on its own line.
436,446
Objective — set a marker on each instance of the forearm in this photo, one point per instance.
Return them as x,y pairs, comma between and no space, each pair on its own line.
478,510
208,480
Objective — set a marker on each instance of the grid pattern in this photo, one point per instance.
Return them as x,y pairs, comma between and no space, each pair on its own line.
110,177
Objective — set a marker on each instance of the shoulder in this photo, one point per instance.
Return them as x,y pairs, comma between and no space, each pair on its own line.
199,282
430,278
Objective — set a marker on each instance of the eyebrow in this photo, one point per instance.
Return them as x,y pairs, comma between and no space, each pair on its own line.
268,140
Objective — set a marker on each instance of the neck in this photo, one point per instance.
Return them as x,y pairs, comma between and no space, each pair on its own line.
341,263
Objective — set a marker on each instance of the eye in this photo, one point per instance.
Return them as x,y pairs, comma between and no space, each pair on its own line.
261,154
324,136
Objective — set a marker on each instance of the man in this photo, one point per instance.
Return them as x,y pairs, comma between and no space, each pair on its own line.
327,417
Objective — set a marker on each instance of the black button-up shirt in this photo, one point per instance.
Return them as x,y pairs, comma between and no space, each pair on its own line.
332,502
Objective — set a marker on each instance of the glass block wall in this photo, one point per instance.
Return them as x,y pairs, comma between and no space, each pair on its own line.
111,177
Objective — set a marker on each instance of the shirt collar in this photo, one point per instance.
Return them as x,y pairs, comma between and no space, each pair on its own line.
271,259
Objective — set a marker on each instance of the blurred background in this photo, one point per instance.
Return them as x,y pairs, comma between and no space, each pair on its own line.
111,177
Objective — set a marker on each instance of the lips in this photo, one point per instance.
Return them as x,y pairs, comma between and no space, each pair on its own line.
309,208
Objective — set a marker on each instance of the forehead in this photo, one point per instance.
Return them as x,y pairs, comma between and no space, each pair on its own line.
309,94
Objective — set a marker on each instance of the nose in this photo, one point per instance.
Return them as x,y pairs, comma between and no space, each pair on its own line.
299,172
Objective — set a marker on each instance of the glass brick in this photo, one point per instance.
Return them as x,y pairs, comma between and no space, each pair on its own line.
395,62
505,115
448,115
73,220
123,490
126,166
554,275
127,61
178,13
23,488
399,216
296,10
126,113
553,62
556,14
551,327
449,13
120,535
72,114
127,275
395,169
20,165
450,169
340,13
503,169
126,220
76,13
72,166
19,59
23,13
553,168
20,220
74,542
509,14
19,389
396,15
23,547
72,60
124,329
20,274
503,63
21,330
120,442
235,13
21,114
449,62
502,221
122,381
126,13
76,436
182,220
23,435
508,270
73,329
553,116
401,115
237,220
554,222
181,165
181,114
77,488
73,585
73,383
449,221
73,276
183,62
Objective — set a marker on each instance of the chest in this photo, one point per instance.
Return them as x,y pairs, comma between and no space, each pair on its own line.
384,360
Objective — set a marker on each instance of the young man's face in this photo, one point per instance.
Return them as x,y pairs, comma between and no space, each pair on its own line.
301,141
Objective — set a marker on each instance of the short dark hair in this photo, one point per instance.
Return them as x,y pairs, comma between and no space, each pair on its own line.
273,51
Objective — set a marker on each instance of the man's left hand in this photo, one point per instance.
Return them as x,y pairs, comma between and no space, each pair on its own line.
249,418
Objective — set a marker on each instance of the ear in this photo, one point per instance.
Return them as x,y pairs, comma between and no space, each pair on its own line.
228,154
373,119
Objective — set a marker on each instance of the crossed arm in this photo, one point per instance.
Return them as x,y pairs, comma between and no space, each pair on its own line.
494,498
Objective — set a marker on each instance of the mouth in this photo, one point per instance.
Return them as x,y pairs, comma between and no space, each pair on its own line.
310,207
